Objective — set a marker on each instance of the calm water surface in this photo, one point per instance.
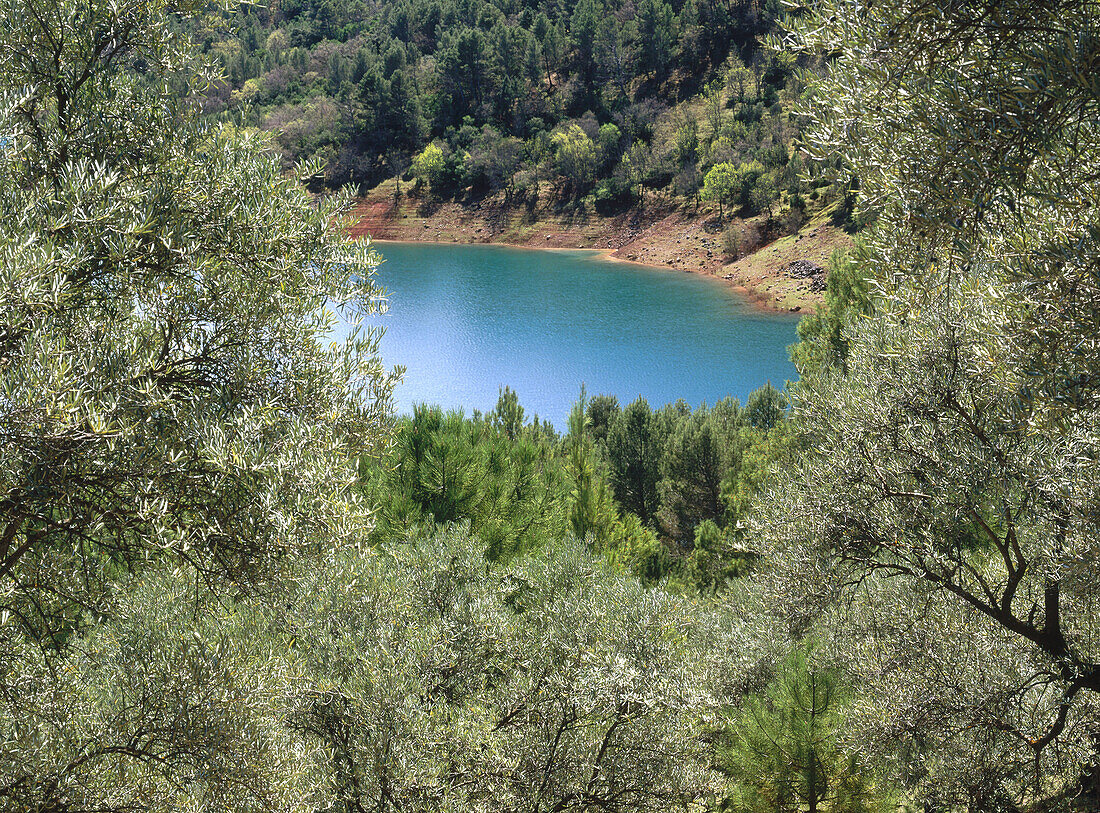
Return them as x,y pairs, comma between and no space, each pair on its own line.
466,320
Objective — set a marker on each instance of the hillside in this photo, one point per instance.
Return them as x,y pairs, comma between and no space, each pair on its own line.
598,105
663,232
663,132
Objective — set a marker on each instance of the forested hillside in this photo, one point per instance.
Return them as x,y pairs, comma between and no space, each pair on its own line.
599,98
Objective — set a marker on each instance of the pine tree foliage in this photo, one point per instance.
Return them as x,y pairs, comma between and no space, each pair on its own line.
503,477
634,445
783,750
366,86
591,510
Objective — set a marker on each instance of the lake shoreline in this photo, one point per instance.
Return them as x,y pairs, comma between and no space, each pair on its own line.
751,297
656,235
465,320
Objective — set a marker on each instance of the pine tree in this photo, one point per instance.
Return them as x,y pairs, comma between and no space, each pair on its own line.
783,751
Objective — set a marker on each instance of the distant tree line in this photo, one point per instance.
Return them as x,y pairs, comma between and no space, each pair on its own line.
662,492
599,99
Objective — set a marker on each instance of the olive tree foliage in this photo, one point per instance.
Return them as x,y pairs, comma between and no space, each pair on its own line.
168,387
170,402
952,495
552,683
156,708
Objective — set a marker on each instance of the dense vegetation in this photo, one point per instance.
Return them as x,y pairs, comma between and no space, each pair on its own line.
597,100
941,526
231,580
659,493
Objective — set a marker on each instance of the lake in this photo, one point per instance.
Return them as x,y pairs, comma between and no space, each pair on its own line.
466,320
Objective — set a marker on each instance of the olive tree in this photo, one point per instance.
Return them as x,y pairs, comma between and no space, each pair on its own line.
156,707
169,387
950,497
171,400
552,683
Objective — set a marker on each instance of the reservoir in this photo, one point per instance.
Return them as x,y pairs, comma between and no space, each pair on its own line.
466,320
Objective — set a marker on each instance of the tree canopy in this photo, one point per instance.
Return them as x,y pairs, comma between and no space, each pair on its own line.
172,402
167,374
227,582
364,87
953,413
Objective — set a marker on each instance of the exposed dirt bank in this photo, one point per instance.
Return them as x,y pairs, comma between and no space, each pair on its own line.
656,233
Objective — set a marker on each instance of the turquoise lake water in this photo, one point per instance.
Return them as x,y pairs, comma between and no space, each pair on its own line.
467,320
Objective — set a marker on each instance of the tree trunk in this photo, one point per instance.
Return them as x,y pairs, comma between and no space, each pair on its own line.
811,780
